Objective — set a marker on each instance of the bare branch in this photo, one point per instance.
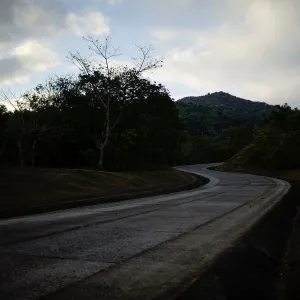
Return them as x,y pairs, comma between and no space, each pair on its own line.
146,61
117,120
17,107
116,82
104,50
83,64
5,98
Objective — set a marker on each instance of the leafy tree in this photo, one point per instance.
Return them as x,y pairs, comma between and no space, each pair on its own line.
20,124
117,120
111,87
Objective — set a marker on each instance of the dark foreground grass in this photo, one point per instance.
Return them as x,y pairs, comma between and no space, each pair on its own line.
21,188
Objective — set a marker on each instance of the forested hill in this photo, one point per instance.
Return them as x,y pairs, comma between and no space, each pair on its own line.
225,100
212,113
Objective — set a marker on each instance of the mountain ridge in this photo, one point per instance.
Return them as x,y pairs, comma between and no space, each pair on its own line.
212,113
210,99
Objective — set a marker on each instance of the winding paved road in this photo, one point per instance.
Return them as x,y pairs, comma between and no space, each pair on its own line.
135,249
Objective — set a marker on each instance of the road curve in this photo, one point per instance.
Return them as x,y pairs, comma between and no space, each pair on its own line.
135,249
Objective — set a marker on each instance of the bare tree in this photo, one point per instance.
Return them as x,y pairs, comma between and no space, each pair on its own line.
17,105
29,125
110,70
3,119
36,131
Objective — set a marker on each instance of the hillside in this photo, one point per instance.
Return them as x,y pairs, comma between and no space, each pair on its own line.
224,100
247,135
218,125
212,113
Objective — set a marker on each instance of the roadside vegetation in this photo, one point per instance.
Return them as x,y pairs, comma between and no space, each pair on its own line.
273,148
108,117
106,131
111,117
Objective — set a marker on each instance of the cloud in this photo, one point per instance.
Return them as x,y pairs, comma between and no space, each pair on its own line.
114,2
26,29
89,23
29,56
23,18
20,19
256,58
36,56
173,3
111,2
29,27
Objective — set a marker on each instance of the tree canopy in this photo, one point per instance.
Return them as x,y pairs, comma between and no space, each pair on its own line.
111,116
106,117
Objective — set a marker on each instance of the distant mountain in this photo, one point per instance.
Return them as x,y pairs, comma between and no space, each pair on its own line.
212,113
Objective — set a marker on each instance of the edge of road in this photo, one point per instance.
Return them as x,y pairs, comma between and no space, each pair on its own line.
196,183
158,275
256,212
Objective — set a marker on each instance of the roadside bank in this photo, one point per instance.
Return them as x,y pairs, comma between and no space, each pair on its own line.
33,191
258,265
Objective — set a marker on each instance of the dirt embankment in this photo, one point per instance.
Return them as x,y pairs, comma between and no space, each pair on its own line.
51,189
258,272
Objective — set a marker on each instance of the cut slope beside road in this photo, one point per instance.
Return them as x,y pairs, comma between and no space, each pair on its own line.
28,190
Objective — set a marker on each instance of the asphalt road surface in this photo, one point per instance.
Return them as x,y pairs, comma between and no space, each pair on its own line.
135,249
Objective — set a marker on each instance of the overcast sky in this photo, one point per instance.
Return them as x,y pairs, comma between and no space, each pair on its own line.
249,48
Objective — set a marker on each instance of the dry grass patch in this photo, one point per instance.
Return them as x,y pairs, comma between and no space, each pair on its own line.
42,187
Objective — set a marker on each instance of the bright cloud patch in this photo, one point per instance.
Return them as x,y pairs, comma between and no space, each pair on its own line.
114,2
246,47
29,56
257,58
28,29
22,18
36,56
90,23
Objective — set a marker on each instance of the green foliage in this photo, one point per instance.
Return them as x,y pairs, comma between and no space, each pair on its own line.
214,112
218,125
64,122
61,119
278,141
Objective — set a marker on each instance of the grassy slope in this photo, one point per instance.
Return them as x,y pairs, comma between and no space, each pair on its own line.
40,187
241,162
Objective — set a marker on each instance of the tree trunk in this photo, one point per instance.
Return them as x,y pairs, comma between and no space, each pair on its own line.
106,134
100,161
21,153
101,154
33,154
